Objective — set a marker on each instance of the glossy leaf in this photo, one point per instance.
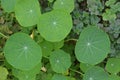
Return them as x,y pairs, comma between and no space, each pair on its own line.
113,65
8,5
3,73
67,5
27,12
93,46
95,73
53,26
22,52
60,61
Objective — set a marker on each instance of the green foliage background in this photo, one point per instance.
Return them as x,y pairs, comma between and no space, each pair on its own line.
102,13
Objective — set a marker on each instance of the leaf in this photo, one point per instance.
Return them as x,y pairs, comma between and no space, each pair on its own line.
47,48
8,5
59,77
95,6
3,73
58,45
67,5
110,2
114,77
84,67
27,12
60,61
22,52
95,73
109,15
53,26
113,65
27,75
50,0
93,46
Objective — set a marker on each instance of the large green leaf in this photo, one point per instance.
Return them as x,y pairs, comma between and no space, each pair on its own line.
8,5
113,65
67,5
95,73
27,75
59,77
3,73
93,46
60,61
55,25
27,12
22,52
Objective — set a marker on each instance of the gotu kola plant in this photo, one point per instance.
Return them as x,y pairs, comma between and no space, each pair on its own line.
25,55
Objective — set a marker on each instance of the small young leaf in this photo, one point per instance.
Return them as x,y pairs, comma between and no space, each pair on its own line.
67,5
110,2
58,45
3,73
59,77
27,12
109,15
95,6
60,61
22,52
8,5
47,48
54,26
84,67
113,65
93,46
95,73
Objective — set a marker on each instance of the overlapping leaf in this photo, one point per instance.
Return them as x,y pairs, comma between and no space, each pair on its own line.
93,46
27,12
22,52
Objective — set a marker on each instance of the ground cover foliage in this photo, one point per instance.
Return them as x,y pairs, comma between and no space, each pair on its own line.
59,40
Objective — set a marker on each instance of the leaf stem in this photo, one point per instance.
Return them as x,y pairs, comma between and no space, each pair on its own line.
71,40
77,71
3,35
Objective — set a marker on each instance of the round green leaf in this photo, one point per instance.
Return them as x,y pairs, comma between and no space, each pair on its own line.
3,73
27,12
95,73
93,46
8,5
22,52
113,65
59,77
60,61
55,25
67,5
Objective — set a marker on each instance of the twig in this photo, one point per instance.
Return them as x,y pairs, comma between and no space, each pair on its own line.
71,40
3,35
77,71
